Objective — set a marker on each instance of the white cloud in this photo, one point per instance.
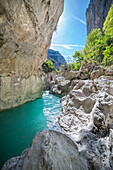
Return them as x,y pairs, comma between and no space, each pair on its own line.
79,19
67,46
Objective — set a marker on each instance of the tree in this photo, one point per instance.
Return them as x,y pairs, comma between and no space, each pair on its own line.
48,66
78,58
108,24
108,38
94,46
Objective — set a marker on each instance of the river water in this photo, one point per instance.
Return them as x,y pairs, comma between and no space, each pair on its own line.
19,125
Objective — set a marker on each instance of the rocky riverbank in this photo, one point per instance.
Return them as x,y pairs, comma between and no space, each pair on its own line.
87,112
86,120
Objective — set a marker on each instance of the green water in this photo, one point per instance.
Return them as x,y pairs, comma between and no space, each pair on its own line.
18,126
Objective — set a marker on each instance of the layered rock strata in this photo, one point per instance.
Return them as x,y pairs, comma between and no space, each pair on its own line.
26,29
96,13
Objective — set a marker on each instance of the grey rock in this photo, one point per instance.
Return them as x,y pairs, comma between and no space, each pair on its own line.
87,117
70,75
26,29
96,13
50,150
60,87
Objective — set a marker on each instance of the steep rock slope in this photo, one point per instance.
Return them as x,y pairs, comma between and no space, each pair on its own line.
26,28
96,13
56,58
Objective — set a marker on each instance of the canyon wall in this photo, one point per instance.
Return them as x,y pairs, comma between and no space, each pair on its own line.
26,28
96,13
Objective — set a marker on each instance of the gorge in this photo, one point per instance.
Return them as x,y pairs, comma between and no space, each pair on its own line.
80,135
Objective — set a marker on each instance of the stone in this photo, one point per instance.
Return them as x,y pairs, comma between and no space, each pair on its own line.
97,73
49,80
108,72
87,66
49,150
87,118
96,13
70,75
26,29
60,87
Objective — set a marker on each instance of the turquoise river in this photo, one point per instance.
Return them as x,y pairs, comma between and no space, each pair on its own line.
19,125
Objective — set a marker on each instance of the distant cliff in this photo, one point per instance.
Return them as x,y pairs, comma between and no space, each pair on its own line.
26,29
56,58
96,13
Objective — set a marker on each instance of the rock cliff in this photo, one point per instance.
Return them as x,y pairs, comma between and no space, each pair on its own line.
26,28
56,58
96,13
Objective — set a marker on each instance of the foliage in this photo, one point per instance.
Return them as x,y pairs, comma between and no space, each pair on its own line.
77,60
98,46
94,46
108,24
48,66
108,36
108,55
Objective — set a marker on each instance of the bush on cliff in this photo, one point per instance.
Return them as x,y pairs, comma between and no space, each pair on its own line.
77,60
48,66
108,38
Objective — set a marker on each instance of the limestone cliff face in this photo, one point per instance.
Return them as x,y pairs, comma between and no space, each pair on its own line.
96,13
26,28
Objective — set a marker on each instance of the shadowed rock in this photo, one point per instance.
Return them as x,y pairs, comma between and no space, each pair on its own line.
26,29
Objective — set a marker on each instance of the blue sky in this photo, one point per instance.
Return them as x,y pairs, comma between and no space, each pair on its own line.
71,31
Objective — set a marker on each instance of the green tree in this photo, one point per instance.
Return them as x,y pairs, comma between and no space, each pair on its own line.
48,66
108,38
108,24
94,46
77,60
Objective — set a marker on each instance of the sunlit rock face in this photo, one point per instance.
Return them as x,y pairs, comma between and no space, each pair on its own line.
87,117
96,13
26,29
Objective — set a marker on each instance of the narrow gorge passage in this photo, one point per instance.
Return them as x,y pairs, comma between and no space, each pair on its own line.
18,126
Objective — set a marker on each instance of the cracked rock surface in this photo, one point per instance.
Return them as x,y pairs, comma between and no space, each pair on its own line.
26,28
87,117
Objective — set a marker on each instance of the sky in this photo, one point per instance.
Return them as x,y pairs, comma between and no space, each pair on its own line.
71,30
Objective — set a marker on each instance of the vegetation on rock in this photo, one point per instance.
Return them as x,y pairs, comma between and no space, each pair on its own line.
48,66
98,46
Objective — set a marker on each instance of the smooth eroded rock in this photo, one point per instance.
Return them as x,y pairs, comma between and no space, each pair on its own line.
49,150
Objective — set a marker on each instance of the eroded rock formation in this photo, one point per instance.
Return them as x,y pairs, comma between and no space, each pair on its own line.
87,117
96,13
87,112
26,28
48,150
